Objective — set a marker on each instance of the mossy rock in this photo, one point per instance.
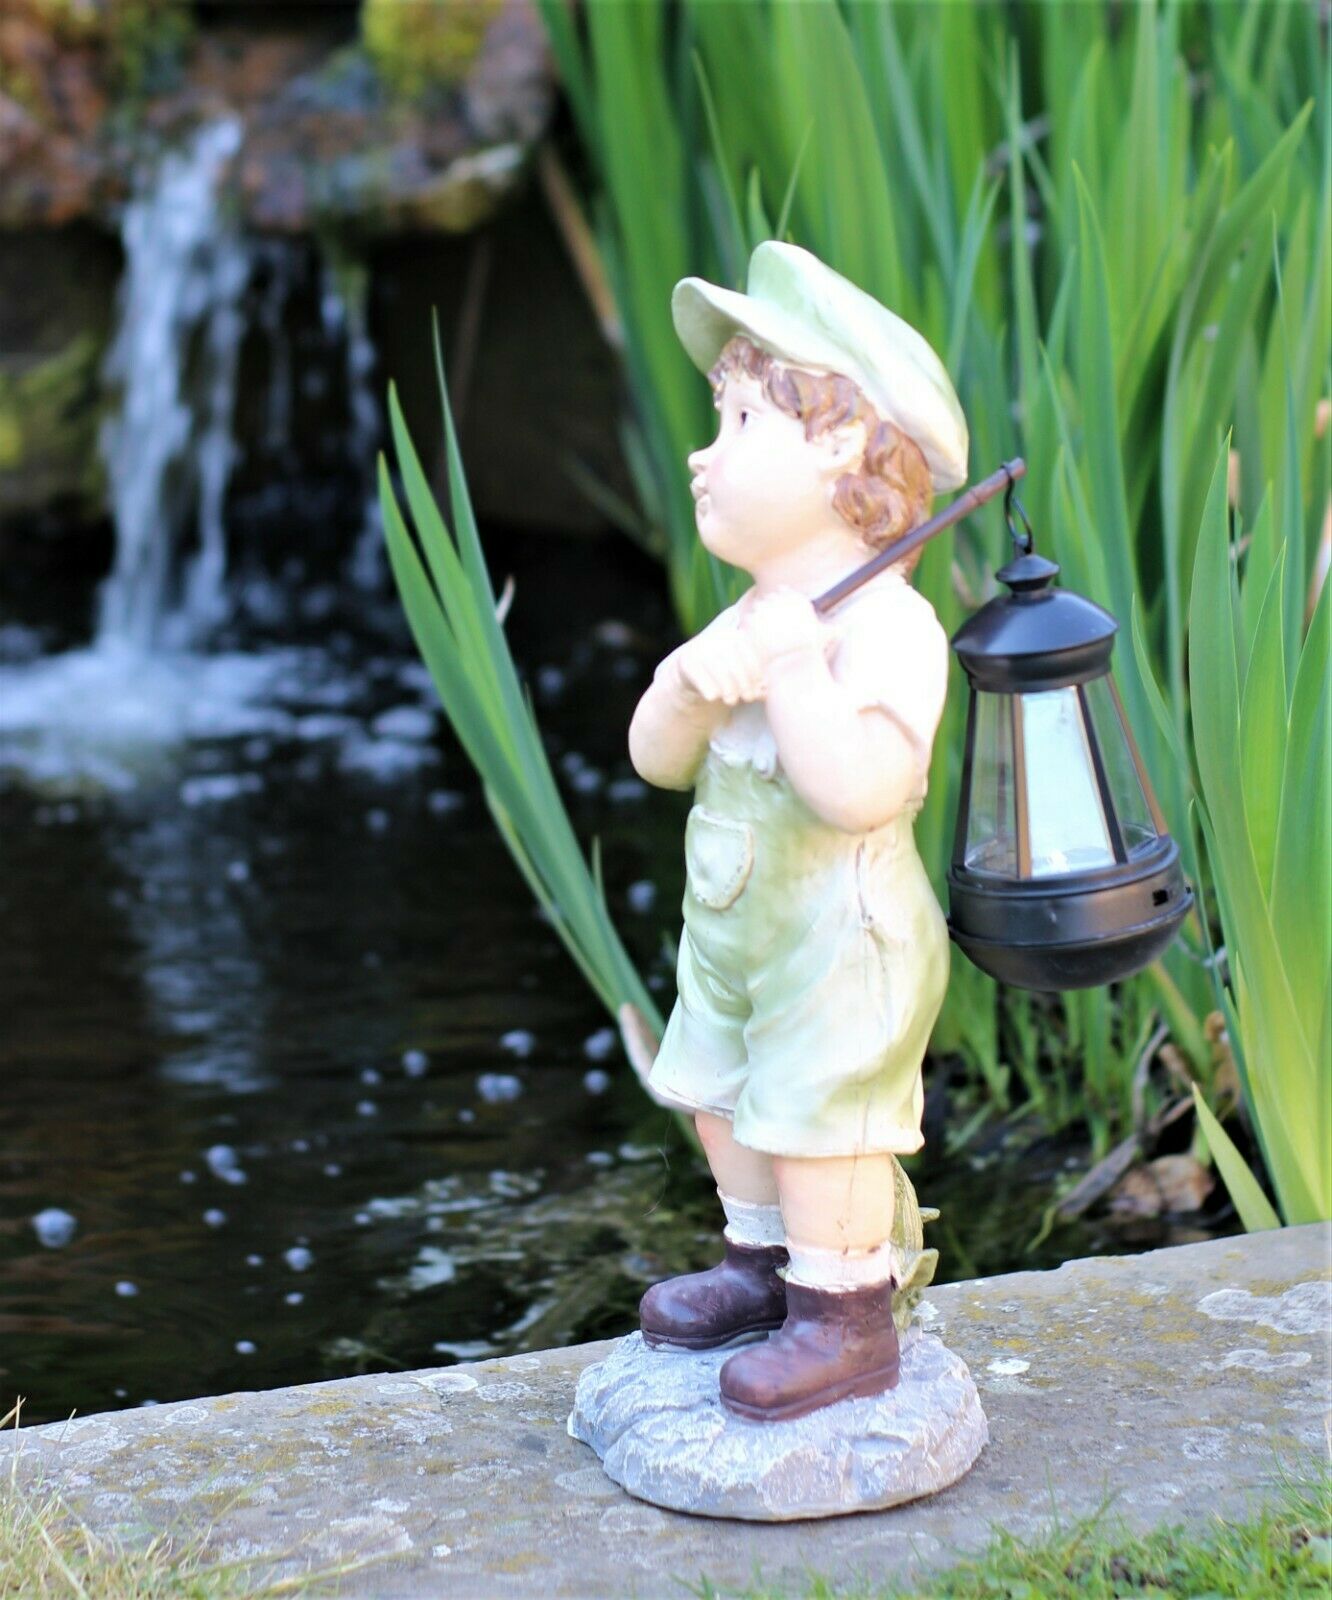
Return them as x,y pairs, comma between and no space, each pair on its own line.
131,48
49,414
423,46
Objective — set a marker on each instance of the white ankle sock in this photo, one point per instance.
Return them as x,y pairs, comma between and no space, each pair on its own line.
751,1224
816,1267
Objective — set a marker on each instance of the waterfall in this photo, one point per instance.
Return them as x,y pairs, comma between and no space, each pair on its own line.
345,304
186,270
121,711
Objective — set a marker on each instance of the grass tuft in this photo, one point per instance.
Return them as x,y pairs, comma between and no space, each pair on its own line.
48,1552
1282,1552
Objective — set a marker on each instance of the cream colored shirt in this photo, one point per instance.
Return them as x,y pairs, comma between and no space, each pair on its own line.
886,646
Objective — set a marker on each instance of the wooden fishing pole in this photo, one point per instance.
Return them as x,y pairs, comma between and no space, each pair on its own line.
963,506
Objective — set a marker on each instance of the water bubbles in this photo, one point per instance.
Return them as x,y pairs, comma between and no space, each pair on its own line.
600,1045
54,1228
377,820
245,1347
600,1158
512,1185
224,1164
518,1042
587,780
596,1081
498,1088
218,787
332,1169
127,1290
215,1218
238,871
642,895
415,1063
320,725
366,1108
467,1115
254,1261
295,1298
386,760
362,1219
66,812
432,1269
443,802
404,722
298,1258
369,1075
624,791
614,633
300,1146
416,675
550,682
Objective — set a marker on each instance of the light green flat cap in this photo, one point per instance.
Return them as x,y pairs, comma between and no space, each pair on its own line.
809,316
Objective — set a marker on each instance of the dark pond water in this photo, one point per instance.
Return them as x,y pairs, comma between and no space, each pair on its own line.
296,1084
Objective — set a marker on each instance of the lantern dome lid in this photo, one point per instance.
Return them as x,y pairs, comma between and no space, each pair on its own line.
1035,637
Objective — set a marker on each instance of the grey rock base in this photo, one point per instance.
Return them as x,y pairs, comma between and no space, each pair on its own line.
657,1422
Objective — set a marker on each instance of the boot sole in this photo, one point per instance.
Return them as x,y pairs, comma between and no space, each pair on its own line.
748,1335
863,1387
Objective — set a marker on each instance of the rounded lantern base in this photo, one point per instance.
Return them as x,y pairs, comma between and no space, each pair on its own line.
1074,932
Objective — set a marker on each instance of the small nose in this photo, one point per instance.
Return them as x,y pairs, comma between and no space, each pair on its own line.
698,460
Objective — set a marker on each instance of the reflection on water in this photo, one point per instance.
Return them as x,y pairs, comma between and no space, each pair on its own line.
296,1081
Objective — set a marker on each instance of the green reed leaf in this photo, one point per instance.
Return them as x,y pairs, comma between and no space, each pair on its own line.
1255,1209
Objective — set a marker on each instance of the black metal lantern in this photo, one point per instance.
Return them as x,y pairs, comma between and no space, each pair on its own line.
1063,875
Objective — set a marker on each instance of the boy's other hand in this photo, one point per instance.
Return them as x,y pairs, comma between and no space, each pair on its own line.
722,665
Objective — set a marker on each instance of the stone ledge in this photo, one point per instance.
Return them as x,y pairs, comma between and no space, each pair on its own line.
1173,1385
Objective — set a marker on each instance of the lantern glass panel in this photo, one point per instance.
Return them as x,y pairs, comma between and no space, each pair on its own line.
1130,803
1066,821
991,819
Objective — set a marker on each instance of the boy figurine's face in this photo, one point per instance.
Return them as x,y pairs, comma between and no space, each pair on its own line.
761,488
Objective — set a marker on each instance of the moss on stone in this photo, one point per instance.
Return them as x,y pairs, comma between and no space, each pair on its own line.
420,46
49,414
139,45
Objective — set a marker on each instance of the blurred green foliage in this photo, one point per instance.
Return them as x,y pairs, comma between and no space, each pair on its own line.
1113,223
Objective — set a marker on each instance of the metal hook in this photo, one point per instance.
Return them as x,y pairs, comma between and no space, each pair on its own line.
1025,541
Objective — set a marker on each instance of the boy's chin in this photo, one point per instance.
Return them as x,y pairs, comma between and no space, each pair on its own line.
715,542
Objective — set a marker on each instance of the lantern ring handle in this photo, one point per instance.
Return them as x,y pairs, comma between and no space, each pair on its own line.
1024,541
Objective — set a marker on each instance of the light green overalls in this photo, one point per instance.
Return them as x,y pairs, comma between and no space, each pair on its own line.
813,963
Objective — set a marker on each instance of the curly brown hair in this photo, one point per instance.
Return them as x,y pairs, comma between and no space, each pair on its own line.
890,492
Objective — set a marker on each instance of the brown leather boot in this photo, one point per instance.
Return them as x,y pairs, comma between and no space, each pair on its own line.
741,1296
834,1345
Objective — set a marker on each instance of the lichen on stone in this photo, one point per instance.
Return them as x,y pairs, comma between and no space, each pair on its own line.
419,46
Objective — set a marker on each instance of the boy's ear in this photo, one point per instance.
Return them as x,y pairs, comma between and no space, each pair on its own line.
845,446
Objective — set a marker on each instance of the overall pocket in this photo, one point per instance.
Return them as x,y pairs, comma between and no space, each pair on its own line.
719,855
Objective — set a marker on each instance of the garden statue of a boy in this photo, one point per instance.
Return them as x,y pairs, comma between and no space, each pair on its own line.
814,955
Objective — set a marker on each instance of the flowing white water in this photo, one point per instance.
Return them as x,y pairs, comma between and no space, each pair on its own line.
103,716
166,457
115,713
345,305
